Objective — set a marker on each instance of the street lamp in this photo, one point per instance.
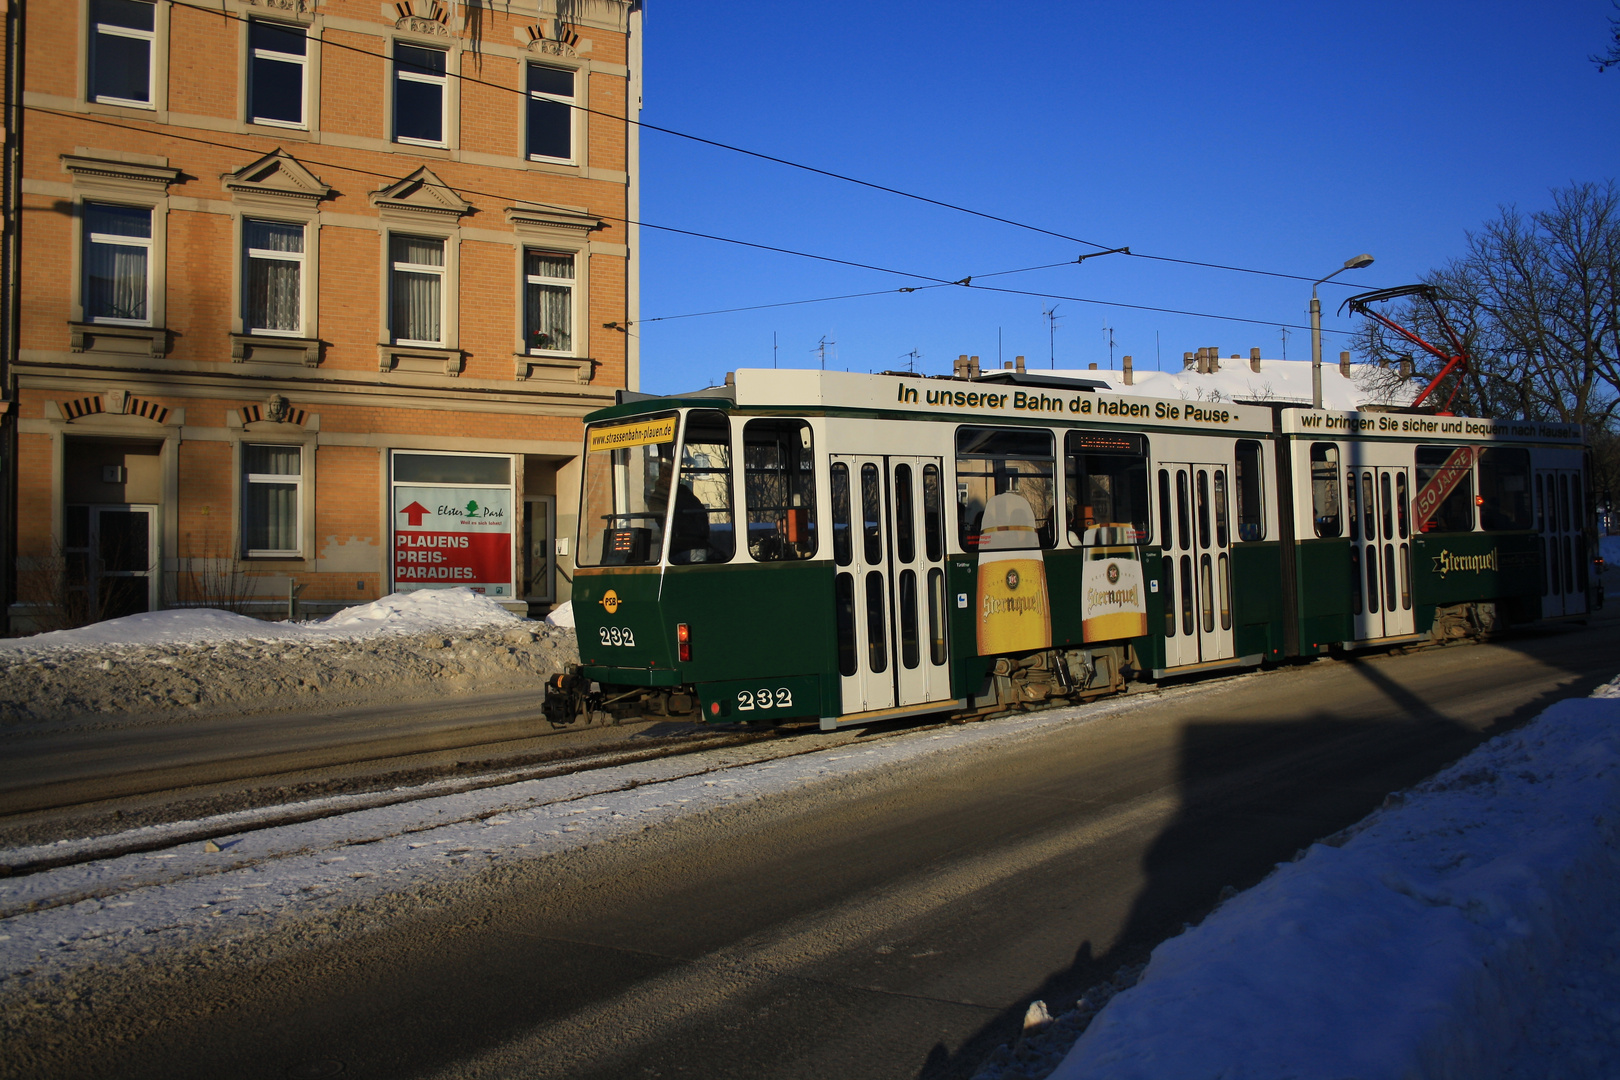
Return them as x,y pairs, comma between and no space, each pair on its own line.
1316,326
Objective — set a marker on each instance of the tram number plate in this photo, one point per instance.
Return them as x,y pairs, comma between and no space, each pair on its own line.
615,635
764,698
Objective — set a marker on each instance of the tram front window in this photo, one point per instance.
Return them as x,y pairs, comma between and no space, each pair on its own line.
628,468
700,529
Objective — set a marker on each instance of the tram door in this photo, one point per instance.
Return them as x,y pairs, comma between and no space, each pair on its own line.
889,546
1197,574
1380,551
1559,515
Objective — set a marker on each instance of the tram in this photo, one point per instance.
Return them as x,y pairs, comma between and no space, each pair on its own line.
851,548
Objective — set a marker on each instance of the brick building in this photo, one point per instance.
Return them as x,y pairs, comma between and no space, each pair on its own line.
313,296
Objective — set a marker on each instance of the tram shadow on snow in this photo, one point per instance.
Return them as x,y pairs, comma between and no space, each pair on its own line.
1252,795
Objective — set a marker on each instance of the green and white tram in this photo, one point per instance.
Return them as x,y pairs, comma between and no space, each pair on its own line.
859,547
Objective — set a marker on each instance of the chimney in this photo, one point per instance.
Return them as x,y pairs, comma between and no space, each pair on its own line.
1018,364
1006,365
1214,359
1254,359
1127,371
960,368
1187,361
1344,364
1406,367
1091,367
973,367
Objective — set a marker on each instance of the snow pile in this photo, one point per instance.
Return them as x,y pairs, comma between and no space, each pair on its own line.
1277,380
397,613
432,641
1416,943
562,616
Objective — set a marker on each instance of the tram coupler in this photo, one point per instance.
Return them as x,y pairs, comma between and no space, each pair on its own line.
569,695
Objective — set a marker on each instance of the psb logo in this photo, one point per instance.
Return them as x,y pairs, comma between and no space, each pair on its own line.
610,601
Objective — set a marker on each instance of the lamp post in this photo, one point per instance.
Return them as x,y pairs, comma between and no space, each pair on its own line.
1316,326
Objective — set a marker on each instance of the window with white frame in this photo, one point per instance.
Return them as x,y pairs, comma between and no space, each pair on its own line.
272,486
117,264
548,301
122,38
551,113
276,67
416,290
273,277
421,91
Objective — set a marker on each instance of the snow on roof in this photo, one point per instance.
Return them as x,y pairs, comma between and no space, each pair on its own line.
1277,380
420,611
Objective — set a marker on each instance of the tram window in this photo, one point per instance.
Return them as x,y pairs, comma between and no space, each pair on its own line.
1207,592
1165,539
1504,489
1581,562
1445,483
1221,536
1183,511
871,515
1187,624
995,461
843,550
1541,503
933,514
779,490
1355,576
1563,501
1369,514
1350,502
844,592
1224,583
1372,579
700,529
1107,493
936,616
905,532
1386,501
1203,509
1389,577
877,643
1406,577
1250,491
910,646
1402,507
1167,575
628,471
1325,488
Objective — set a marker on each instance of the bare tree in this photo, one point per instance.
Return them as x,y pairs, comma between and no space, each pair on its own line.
1536,300
1607,60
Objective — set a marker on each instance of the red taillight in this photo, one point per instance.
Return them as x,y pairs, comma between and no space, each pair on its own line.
683,639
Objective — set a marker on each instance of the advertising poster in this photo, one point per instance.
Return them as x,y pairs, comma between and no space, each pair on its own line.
447,535
1014,611
1115,606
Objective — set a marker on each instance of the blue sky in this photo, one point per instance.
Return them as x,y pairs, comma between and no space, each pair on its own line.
1283,137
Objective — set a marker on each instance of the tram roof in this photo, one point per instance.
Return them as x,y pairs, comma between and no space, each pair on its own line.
1067,400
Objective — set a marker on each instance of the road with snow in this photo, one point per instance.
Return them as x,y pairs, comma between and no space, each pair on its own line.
881,910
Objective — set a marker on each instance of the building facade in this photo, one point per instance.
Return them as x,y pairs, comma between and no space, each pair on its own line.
314,294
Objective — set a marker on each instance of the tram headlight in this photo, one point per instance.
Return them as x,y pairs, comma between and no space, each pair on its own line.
683,641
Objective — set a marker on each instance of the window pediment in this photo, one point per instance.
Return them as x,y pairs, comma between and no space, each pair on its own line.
421,196
542,220
278,178
106,172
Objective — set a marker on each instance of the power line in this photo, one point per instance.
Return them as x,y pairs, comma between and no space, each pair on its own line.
325,43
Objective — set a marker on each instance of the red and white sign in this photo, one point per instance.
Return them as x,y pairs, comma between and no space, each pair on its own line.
453,536
1441,484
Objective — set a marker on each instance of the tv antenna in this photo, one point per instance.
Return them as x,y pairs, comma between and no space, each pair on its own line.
1285,333
1108,332
821,351
911,357
1051,332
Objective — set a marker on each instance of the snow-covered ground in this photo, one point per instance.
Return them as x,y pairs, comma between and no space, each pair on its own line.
165,666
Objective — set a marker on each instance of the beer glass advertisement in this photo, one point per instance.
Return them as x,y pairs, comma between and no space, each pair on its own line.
446,535
1115,605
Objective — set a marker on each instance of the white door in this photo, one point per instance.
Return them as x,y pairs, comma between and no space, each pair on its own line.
888,543
1380,551
1196,576
1559,514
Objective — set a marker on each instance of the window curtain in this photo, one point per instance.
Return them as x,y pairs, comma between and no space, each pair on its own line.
115,274
274,300
271,511
416,304
548,309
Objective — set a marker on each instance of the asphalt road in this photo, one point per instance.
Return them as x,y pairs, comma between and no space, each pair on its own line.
897,929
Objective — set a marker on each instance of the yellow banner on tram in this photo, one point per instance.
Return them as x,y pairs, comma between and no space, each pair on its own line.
661,430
